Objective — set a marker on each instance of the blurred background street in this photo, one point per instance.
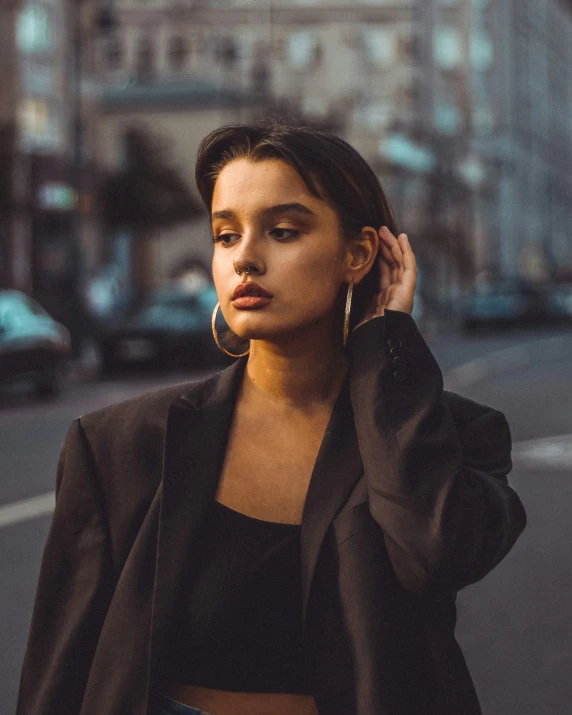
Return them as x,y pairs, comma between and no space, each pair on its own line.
463,108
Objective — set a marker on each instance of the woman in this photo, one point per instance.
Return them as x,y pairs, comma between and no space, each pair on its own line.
288,536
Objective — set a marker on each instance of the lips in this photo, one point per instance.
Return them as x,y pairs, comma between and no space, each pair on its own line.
250,289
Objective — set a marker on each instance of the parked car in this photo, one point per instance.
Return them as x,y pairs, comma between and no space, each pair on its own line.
560,302
504,304
33,346
172,329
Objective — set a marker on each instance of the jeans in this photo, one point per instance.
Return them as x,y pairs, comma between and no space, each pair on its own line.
168,706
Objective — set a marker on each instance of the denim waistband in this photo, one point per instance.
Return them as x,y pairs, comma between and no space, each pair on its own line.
168,706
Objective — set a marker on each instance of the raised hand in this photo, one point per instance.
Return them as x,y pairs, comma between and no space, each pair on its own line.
398,276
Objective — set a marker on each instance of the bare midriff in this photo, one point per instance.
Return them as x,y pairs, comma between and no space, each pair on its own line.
223,702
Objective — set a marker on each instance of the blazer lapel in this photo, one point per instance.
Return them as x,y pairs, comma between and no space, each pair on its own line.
198,426
197,430
337,469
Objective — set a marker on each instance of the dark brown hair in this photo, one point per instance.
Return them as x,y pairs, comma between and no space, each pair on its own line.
331,169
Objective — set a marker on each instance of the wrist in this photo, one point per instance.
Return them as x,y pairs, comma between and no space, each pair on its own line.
367,318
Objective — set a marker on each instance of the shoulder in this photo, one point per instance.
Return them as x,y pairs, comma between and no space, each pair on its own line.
129,435
131,415
120,449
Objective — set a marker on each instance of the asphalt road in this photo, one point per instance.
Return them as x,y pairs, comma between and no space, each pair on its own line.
514,625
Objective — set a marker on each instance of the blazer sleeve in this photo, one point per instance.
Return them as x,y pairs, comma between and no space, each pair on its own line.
435,463
73,590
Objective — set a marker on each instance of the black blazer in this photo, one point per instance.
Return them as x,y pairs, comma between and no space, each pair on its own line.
408,503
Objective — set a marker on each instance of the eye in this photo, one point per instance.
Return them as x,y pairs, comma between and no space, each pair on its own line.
225,239
283,234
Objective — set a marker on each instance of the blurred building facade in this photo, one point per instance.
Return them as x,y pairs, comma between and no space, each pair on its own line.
9,74
48,224
533,141
463,107
175,115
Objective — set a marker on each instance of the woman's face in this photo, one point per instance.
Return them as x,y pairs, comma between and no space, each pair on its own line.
264,218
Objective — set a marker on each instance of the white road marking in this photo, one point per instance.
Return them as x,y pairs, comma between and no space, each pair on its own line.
26,509
553,452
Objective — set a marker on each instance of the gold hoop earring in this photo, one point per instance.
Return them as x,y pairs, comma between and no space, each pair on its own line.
216,339
348,310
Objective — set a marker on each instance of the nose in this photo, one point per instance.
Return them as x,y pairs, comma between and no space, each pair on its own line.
248,257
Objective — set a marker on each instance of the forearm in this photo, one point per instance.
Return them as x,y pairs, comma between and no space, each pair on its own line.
446,520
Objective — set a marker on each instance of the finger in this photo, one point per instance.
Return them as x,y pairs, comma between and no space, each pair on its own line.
404,246
384,274
387,238
388,256
403,242
390,263
409,261
409,281
393,244
409,278
386,244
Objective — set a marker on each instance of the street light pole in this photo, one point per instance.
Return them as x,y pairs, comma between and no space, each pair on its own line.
104,23
76,248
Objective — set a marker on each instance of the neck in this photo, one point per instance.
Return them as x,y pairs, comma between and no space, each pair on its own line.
307,373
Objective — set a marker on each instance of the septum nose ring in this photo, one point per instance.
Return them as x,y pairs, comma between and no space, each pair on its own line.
247,270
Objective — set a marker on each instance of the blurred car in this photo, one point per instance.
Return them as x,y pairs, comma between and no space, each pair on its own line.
172,329
33,346
504,304
560,302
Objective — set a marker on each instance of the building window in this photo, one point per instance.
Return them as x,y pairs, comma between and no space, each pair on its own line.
447,47
114,54
178,53
37,122
447,118
35,30
483,121
379,45
481,51
374,115
304,51
145,58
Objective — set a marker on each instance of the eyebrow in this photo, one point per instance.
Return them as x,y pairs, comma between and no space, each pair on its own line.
278,209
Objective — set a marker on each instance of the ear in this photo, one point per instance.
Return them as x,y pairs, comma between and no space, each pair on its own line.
362,253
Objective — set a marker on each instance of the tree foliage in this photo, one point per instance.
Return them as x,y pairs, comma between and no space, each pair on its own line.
147,192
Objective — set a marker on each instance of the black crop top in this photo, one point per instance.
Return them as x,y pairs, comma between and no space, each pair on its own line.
239,623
